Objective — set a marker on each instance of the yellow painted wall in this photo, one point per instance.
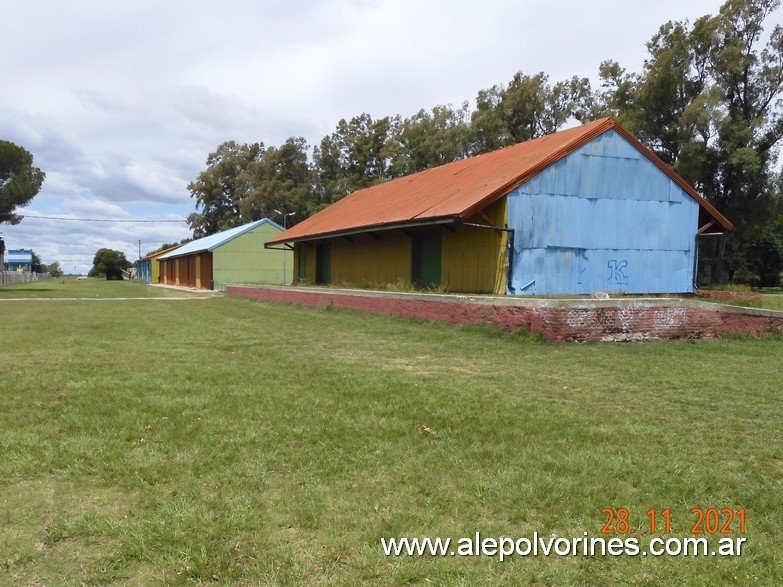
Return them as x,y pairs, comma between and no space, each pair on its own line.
155,270
367,259
472,259
364,259
476,259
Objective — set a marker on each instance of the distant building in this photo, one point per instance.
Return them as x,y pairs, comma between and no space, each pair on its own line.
19,260
587,209
232,256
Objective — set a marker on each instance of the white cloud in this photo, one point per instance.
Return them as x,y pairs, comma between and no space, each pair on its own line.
92,208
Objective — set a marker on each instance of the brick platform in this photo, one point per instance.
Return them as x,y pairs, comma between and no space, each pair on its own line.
622,319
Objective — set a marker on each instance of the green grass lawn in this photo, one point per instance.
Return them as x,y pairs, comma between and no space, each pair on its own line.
69,287
226,441
772,301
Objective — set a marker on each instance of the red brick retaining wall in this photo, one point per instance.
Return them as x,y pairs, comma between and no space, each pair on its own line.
557,320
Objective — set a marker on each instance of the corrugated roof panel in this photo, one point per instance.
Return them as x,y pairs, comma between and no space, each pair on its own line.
462,188
211,242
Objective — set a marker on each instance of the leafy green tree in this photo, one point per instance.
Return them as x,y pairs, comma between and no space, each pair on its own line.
429,139
244,183
38,266
353,157
19,180
54,269
220,188
529,107
281,179
109,263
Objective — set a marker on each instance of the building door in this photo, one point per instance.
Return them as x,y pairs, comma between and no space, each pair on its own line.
323,263
425,258
207,280
301,258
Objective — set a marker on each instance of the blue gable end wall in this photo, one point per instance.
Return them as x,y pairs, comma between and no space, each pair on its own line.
604,218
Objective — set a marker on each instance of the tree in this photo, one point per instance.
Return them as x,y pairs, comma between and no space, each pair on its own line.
244,183
19,180
529,107
38,266
353,157
54,269
219,189
708,103
428,139
281,179
109,263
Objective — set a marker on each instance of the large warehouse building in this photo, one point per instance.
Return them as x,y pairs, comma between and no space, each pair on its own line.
587,209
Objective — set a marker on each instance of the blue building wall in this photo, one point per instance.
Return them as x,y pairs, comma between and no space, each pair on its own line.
144,270
604,218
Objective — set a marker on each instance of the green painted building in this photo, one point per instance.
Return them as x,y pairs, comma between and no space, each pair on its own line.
232,256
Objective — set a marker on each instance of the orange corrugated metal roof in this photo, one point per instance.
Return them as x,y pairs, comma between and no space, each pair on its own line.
458,190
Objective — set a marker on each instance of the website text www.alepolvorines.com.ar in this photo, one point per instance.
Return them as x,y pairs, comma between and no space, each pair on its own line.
504,547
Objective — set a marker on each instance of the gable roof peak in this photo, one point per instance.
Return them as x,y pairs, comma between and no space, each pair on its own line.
457,190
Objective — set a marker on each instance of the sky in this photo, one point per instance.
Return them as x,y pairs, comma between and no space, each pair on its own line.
120,103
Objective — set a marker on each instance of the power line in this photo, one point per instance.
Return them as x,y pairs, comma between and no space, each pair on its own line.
97,219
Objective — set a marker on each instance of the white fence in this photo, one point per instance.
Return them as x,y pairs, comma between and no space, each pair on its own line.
12,277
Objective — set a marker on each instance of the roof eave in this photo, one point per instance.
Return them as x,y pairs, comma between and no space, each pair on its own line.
170,256
364,229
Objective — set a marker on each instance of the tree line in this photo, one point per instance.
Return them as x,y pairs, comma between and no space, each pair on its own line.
707,101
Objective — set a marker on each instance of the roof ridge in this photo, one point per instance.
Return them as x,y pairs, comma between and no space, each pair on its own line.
194,247
459,189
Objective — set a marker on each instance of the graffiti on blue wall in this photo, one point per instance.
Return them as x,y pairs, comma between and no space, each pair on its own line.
618,272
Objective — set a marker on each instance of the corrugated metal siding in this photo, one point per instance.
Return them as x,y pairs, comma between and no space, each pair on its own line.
165,272
365,259
472,259
475,259
603,219
185,268
144,270
243,259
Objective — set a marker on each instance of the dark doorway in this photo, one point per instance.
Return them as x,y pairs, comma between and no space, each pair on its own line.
425,258
323,263
301,269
